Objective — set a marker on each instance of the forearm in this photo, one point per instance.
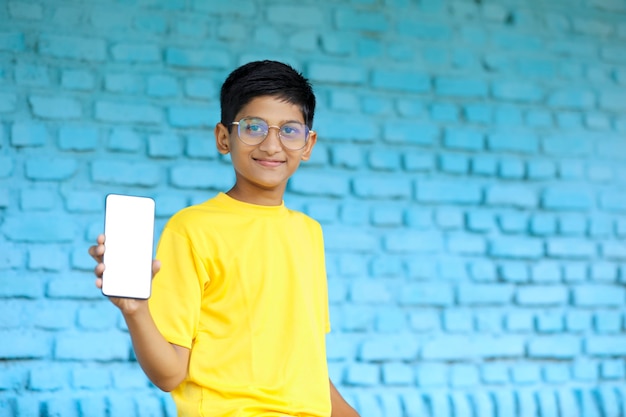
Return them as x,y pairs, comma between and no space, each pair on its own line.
163,363
340,407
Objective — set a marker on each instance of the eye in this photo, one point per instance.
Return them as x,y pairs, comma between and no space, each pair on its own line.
255,127
291,129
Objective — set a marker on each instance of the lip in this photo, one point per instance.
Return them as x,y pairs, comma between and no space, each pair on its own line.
270,163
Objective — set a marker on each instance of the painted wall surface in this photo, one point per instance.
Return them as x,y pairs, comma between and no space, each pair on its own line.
470,178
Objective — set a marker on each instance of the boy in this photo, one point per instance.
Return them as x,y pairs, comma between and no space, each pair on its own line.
237,319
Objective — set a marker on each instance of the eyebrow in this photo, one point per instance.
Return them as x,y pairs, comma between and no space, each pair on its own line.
279,124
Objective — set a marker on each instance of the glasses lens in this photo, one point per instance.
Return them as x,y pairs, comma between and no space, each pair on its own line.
294,135
252,130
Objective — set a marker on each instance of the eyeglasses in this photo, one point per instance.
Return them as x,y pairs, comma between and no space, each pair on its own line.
254,130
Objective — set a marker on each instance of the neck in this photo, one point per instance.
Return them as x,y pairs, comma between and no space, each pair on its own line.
269,198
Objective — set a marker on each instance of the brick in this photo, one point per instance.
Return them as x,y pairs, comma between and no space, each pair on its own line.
136,53
484,165
81,49
457,321
46,257
513,272
556,373
494,373
130,84
570,248
516,248
525,374
369,292
613,100
197,58
32,75
613,250
125,173
467,245
51,168
566,198
406,81
431,374
606,345
350,19
440,191
513,141
579,99
567,402
50,378
465,139
445,347
124,140
78,138
613,201
356,128
37,200
505,346
382,187
511,169
72,287
12,41
387,216
461,87
192,176
607,321
392,348
199,147
511,195
25,134
549,322
427,295
484,294
612,369
192,116
349,238
517,91
164,146
55,107
334,73
416,133
597,295
39,229
25,344
559,347
107,111
541,295
383,160
92,406
575,272
361,374
578,321
567,145
412,242
543,224
318,184
77,80
100,346
454,164
572,224
428,31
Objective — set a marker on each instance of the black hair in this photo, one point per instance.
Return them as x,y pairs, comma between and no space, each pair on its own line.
266,78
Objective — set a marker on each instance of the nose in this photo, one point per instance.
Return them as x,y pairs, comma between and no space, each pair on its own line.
272,143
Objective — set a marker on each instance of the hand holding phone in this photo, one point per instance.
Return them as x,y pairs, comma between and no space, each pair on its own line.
129,231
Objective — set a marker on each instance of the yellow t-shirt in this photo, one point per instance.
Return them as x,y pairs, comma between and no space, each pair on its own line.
244,287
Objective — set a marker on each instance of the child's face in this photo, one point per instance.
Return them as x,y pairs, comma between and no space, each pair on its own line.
262,170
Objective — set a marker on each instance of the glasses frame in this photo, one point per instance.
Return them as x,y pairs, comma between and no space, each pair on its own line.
278,128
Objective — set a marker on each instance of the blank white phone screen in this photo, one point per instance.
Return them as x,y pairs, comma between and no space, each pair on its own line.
129,240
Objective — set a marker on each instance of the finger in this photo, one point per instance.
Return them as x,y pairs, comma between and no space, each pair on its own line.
156,267
101,239
99,270
98,283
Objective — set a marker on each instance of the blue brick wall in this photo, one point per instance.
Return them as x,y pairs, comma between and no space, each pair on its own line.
469,176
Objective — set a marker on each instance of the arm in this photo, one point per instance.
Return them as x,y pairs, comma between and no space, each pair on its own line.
165,364
340,408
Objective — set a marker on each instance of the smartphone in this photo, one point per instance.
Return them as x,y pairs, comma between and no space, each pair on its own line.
129,242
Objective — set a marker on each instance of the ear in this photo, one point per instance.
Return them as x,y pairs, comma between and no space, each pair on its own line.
222,139
306,153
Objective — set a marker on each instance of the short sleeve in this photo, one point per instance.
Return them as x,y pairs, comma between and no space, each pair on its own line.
177,288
